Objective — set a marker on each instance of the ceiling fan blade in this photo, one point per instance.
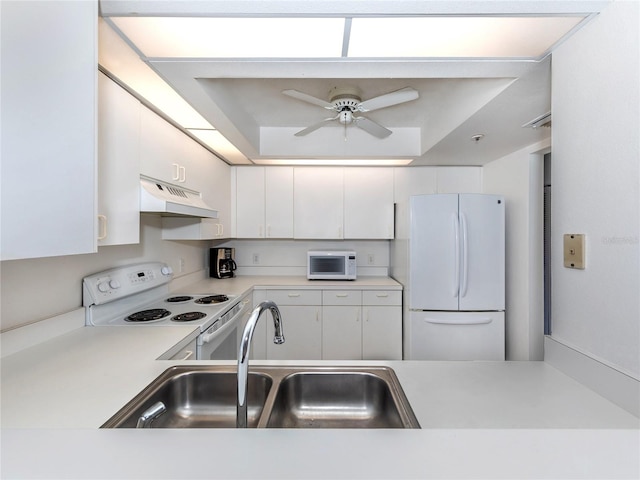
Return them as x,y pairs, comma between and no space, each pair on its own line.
308,98
372,127
315,126
389,99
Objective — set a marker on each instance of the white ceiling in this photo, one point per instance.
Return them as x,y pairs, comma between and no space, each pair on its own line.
459,97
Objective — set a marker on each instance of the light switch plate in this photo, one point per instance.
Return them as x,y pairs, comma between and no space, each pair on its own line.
574,250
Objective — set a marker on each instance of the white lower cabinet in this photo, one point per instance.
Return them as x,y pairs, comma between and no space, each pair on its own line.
382,325
331,325
302,333
341,325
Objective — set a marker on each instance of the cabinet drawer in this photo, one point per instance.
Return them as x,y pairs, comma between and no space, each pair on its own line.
382,297
341,297
295,297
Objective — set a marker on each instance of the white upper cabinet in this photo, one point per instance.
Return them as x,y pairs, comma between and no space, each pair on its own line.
314,202
318,204
250,202
264,202
118,165
368,203
162,154
170,155
279,202
49,125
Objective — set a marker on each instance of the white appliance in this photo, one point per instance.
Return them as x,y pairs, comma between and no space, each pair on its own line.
138,295
456,287
331,265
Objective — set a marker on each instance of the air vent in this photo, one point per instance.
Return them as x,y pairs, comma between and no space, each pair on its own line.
177,192
541,121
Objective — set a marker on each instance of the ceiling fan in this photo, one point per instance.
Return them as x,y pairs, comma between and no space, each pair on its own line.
347,102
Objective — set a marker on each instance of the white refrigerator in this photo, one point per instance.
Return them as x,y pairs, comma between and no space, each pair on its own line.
456,287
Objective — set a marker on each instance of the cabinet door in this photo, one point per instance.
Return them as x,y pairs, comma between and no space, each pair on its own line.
161,149
118,165
219,195
382,333
341,333
302,332
49,125
250,202
207,174
318,203
368,203
279,202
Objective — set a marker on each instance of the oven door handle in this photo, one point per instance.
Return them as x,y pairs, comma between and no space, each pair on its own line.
208,337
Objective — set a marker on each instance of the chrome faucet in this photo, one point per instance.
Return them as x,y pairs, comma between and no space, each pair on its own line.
243,355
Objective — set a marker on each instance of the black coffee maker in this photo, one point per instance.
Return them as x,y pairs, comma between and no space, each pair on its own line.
221,262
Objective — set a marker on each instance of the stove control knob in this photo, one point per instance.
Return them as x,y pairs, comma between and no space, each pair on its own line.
166,270
114,284
103,287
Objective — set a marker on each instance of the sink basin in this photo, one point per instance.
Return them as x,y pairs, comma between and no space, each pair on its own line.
195,399
278,397
334,400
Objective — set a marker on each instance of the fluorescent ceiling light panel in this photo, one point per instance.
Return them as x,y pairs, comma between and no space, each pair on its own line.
334,162
457,37
119,59
188,37
220,145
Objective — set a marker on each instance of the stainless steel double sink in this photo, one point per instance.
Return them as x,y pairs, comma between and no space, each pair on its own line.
278,397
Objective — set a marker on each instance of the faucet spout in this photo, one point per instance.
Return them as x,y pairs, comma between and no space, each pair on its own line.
243,355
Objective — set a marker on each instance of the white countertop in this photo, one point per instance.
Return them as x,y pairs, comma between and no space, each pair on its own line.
238,285
479,420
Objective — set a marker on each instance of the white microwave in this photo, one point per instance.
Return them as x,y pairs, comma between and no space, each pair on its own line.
331,265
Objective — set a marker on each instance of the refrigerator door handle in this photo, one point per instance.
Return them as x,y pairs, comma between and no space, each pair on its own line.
465,256
459,321
456,276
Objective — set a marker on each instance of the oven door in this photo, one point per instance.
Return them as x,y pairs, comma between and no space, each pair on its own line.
222,339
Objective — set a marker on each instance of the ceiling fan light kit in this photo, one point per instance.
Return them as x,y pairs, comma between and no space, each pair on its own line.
347,101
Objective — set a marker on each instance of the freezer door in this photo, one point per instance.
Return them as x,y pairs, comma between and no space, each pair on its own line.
482,236
433,252
456,336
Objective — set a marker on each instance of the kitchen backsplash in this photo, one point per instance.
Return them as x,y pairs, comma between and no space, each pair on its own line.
40,288
289,257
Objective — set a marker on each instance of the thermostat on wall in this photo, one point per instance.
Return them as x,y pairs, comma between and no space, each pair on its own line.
574,250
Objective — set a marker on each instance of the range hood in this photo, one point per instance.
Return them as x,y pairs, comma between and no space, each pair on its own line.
169,200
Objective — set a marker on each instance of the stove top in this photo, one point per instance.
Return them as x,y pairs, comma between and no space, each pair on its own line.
139,295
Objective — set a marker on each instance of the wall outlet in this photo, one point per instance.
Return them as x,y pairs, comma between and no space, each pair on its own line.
255,258
371,259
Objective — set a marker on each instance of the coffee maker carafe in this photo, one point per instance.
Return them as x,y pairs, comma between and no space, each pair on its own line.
221,262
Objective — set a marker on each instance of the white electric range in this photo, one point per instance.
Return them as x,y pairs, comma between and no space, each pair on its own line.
139,295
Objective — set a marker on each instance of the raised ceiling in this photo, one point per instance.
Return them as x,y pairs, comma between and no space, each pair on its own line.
489,78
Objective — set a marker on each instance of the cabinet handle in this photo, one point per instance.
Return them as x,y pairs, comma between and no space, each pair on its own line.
220,229
188,355
176,171
102,227
342,295
382,295
293,295
183,174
